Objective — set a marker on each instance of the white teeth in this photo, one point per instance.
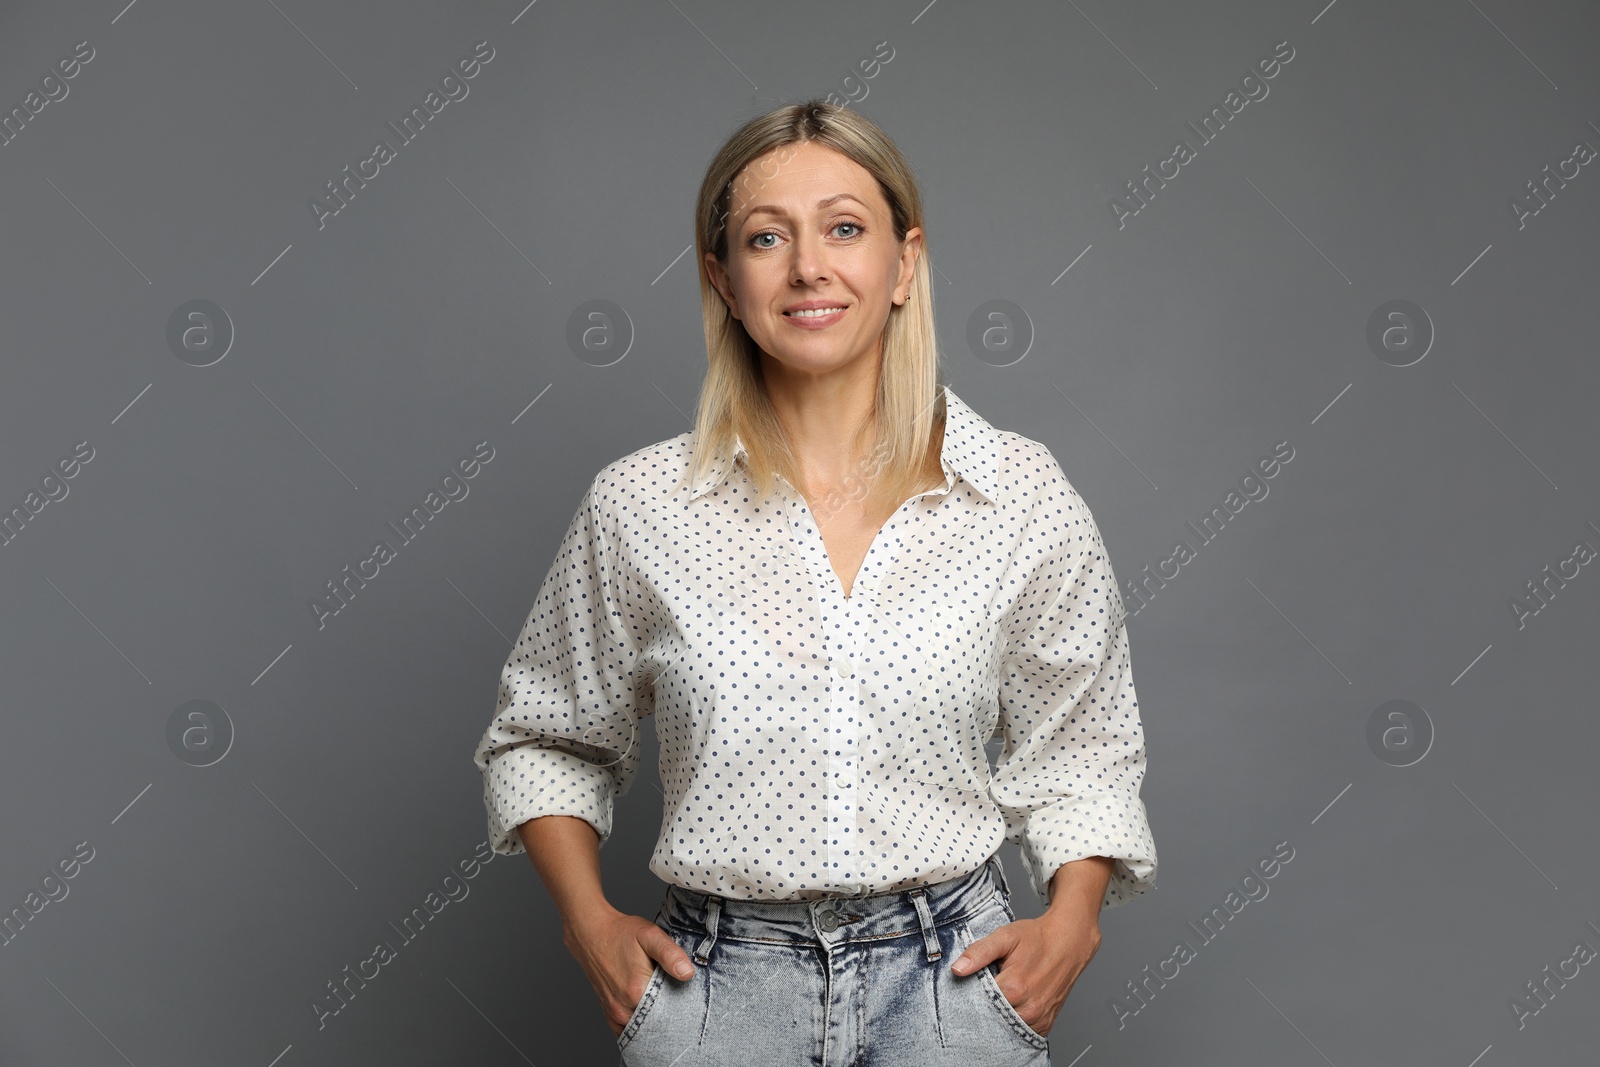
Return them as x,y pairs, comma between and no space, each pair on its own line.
813,313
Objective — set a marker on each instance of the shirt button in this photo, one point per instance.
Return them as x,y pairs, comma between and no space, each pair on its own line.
828,920
846,668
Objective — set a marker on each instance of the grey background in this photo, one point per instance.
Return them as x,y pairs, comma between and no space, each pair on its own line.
433,312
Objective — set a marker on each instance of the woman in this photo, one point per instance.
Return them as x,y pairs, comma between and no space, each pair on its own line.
830,594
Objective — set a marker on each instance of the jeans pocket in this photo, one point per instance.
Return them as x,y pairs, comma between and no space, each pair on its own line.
641,1010
984,922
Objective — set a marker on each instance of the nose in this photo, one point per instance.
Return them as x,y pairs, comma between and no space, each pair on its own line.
809,258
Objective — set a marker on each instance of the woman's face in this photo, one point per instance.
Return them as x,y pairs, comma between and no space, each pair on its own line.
808,227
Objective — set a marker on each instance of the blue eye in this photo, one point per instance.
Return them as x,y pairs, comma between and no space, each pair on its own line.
856,226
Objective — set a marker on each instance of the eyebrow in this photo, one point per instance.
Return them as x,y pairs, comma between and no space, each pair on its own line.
769,209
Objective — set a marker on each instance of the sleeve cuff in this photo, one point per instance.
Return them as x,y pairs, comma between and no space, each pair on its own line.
1096,823
527,782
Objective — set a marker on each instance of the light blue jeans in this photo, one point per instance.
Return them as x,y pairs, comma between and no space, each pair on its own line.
840,982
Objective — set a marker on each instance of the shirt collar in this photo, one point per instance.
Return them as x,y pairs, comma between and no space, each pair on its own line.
971,448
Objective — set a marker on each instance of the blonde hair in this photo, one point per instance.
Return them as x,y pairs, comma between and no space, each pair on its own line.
733,398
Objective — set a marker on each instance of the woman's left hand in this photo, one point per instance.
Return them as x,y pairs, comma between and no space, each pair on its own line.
1042,958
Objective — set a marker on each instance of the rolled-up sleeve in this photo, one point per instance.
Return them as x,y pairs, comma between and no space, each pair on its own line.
564,739
1073,760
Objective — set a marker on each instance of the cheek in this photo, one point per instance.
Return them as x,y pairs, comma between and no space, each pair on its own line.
757,283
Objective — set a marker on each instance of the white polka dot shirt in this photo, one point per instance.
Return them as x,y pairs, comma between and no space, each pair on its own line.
816,744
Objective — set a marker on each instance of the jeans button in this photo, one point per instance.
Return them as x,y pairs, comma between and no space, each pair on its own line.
828,920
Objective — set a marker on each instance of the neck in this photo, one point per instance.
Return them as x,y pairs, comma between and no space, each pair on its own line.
828,420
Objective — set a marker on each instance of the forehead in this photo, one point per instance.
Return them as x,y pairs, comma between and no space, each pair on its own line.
793,178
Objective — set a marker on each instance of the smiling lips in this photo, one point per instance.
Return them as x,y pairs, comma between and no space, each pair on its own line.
815,317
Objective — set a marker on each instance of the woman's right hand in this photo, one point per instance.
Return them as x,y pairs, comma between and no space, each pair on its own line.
618,953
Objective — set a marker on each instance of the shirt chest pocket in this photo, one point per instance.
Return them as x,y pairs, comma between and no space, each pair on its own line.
892,670
757,585
922,721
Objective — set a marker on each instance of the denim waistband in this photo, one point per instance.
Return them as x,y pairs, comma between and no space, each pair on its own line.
834,920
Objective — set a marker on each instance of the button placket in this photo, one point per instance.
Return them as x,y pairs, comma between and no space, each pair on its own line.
845,710
854,612
840,749
843,619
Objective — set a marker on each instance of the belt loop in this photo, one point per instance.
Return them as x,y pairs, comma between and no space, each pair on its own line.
702,953
930,938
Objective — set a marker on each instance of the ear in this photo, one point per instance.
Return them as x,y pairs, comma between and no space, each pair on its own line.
719,282
911,249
